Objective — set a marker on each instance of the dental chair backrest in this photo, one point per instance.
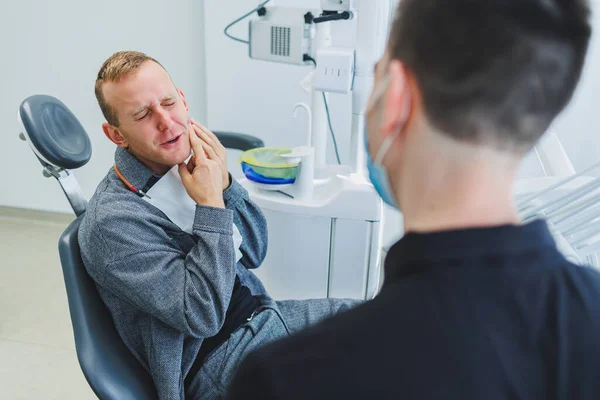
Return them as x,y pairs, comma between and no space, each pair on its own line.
61,143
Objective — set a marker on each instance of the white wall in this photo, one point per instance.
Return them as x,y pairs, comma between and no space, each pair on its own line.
57,47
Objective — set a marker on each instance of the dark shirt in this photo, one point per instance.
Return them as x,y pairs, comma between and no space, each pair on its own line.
491,313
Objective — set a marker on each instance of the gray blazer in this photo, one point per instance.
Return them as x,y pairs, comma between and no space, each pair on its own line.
167,290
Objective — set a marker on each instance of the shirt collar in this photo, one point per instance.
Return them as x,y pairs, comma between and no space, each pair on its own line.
417,249
133,169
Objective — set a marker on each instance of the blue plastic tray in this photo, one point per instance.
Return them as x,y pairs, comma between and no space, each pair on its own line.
255,177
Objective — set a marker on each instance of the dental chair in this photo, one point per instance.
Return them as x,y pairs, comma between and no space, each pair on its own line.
61,144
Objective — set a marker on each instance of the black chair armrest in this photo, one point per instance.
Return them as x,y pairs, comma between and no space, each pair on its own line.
239,141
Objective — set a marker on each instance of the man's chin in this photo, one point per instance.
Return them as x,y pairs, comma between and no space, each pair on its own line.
182,157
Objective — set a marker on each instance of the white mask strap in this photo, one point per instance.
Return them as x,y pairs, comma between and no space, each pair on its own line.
387,143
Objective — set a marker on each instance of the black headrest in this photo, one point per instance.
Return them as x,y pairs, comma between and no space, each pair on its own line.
55,133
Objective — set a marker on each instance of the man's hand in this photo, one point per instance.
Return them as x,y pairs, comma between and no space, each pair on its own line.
214,150
202,177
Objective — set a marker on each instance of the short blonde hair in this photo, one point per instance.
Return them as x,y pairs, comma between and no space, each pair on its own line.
115,68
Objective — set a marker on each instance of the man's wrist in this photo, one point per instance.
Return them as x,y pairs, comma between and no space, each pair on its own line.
216,201
213,203
213,219
227,184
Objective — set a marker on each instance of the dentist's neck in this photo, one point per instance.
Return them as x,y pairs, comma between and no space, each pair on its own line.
447,185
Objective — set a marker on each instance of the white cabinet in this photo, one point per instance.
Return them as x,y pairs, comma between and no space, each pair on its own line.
296,266
328,246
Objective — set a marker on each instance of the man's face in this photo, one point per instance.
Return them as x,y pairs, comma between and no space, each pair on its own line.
153,117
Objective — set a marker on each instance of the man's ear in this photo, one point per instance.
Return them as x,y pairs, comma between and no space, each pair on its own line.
398,104
184,99
114,136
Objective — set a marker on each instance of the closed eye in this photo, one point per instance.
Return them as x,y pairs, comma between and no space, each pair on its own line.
142,117
169,104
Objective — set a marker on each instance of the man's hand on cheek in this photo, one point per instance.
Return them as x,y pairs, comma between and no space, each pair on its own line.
191,164
202,177
214,150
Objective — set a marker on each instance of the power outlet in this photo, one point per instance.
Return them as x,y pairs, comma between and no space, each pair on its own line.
335,70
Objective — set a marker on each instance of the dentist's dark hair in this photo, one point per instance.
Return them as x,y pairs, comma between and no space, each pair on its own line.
493,72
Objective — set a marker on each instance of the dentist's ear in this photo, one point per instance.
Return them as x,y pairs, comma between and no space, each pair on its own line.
398,102
114,135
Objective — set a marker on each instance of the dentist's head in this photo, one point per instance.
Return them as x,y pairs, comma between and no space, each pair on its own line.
464,91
